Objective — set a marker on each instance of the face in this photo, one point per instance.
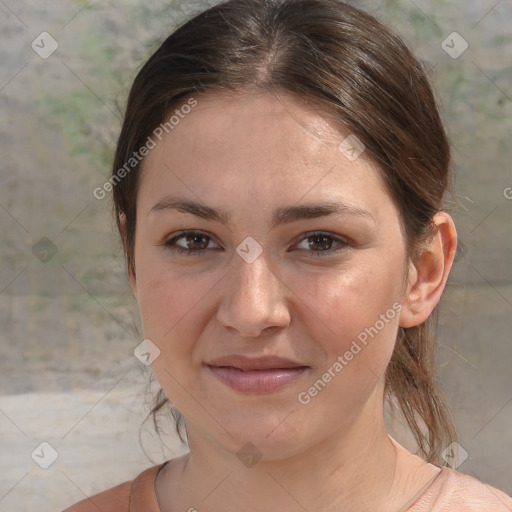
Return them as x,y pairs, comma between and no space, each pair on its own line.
320,290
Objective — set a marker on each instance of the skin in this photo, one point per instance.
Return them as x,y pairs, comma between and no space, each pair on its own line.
252,154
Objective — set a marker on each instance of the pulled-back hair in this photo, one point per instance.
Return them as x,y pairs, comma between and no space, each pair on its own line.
365,78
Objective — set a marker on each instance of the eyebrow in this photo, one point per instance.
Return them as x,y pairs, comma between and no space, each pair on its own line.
284,215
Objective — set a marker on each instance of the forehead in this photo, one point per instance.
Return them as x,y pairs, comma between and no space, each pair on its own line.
263,144
229,120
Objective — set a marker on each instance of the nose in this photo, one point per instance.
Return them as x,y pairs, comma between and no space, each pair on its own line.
254,300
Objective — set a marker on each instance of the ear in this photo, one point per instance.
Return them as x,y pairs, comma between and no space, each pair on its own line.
132,279
429,273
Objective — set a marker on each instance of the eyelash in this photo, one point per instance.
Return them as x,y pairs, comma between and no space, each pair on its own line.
197,252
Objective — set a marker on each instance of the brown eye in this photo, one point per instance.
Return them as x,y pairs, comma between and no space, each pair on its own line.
195,243
320,244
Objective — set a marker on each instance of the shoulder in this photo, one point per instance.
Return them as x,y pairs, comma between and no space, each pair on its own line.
116,499
132,495
452,490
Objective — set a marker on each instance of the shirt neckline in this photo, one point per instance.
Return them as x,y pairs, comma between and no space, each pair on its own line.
422,494
410,506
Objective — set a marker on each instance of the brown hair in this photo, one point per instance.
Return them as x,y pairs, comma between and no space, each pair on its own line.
363,76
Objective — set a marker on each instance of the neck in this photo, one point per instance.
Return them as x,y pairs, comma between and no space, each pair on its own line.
349,471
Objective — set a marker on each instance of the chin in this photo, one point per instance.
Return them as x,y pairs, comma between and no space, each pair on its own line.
270,436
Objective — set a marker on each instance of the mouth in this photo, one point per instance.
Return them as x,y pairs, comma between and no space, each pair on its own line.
256,375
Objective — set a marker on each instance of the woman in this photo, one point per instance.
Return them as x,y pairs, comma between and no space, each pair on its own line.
278,188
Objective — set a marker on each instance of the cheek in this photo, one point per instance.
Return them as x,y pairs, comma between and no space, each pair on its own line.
169,310
353,317
346,301
172,309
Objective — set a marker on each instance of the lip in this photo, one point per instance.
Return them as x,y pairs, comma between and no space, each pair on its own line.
257,375
254,363
256,381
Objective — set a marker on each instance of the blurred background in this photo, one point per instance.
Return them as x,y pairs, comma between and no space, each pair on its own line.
68,375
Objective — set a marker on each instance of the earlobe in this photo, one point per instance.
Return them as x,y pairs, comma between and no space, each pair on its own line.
429,273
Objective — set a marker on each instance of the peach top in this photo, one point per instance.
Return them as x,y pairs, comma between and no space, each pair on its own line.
449,491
